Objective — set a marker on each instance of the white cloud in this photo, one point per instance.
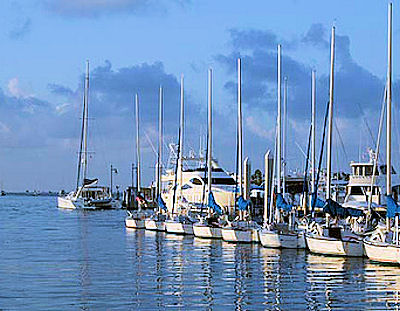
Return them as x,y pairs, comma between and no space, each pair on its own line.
63,108
15,89
94,8
260,128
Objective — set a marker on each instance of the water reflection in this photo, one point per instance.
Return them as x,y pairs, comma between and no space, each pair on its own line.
334,282
89,261
382,286
84,262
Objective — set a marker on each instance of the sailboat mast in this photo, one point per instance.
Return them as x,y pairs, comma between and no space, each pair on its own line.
313,104
329,151
80,159
279,134
240,137
389,107
85,122
137,143
285,123
267,185
209,148
181,126
160,140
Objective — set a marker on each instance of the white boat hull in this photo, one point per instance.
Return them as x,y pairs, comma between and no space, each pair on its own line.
382,252
154,225
206,232
331,246
178,227
66,203
134,223
235,235
274,239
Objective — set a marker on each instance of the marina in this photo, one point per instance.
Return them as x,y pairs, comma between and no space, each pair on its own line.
225,163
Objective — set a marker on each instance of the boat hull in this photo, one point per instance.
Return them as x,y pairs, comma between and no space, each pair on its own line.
382,252
235,235
206,232
274,239
331,246
66,203
134,223
154,225
178,227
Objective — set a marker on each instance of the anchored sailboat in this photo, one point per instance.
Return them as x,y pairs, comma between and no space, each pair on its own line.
180,222
333,239
136,219
242,229
384,244
157,220
86,194
209,227
275,233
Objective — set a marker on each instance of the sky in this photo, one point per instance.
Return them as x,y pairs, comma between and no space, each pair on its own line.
134,46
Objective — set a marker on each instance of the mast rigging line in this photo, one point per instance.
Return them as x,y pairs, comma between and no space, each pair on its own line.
320,158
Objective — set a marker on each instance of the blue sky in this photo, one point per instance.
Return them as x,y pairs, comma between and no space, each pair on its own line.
134,45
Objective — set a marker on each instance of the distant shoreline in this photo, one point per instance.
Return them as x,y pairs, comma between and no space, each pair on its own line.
32,194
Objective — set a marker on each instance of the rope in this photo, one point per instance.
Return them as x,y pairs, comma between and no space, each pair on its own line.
320,158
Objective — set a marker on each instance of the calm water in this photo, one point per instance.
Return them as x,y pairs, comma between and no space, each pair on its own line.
69,260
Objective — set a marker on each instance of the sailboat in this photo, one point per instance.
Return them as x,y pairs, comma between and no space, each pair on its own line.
209,226
242,229
136,218
384,244
157,220
333,239
180,221
86,195
275,233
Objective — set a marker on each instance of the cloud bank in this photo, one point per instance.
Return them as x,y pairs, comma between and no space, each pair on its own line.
96,8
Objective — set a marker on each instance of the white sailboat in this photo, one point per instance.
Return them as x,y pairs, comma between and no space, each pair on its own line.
156,221
275,234
384,244
86,194
136,218
179,222
209,226
240,230
332,239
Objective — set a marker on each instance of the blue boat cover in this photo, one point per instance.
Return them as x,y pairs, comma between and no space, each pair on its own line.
392,208
212,204
243,204
335,209
161,203
282,204
317,202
